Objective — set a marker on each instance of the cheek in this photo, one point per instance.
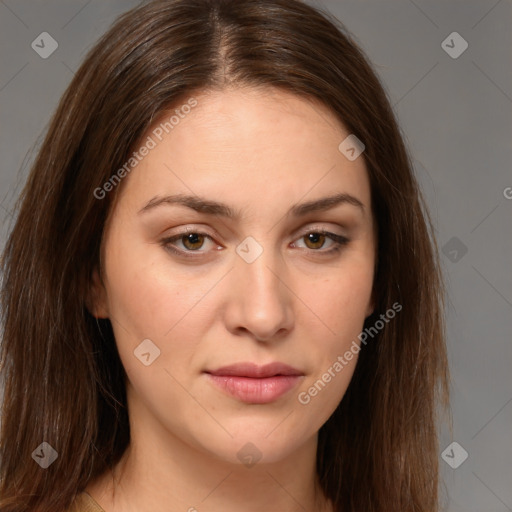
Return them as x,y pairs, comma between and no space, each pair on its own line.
150,301
340,302
340,305
164,307
148,292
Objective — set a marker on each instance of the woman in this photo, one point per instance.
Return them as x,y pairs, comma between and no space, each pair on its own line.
221,290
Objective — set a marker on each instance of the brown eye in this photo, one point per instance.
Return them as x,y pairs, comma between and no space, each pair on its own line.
193,240
187,243
314,240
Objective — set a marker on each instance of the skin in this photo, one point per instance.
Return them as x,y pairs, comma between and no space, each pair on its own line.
260,152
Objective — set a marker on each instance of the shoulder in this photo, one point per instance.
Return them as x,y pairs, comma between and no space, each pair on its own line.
84,502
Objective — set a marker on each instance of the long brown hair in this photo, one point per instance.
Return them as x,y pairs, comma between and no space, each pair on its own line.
64,381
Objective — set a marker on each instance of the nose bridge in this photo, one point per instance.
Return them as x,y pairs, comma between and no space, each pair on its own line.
261,297
256,267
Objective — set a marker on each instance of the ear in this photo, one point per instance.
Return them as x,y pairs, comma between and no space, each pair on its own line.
371,303
370,309
96,301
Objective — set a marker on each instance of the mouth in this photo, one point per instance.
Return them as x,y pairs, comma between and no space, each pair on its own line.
255,384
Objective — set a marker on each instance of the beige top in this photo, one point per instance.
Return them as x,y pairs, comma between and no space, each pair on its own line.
84,502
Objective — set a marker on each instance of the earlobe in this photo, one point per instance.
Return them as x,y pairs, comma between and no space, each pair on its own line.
371,305
96,301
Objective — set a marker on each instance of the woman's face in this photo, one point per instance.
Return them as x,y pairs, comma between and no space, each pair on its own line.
205,292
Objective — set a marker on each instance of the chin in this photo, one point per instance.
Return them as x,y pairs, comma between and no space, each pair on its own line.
252,446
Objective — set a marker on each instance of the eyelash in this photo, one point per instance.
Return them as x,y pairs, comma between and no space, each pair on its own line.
339,242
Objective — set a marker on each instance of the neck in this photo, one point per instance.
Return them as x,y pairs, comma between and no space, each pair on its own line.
182,478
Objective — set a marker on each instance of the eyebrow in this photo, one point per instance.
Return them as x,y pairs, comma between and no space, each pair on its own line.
211,207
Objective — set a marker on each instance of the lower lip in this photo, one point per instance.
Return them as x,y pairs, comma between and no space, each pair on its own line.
255,391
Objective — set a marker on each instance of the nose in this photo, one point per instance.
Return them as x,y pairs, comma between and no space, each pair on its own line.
260,301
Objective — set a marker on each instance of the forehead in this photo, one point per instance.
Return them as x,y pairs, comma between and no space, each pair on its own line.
246,145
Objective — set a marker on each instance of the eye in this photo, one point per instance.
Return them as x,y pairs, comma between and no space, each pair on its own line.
315,240
191,241
194,242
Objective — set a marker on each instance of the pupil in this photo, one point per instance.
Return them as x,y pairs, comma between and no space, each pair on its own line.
191,239
315,239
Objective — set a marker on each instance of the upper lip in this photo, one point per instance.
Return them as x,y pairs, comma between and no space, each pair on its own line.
254,371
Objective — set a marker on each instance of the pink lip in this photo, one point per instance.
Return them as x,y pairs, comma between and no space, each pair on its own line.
255,384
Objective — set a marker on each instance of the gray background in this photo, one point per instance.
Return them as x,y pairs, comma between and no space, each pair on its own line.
456,116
